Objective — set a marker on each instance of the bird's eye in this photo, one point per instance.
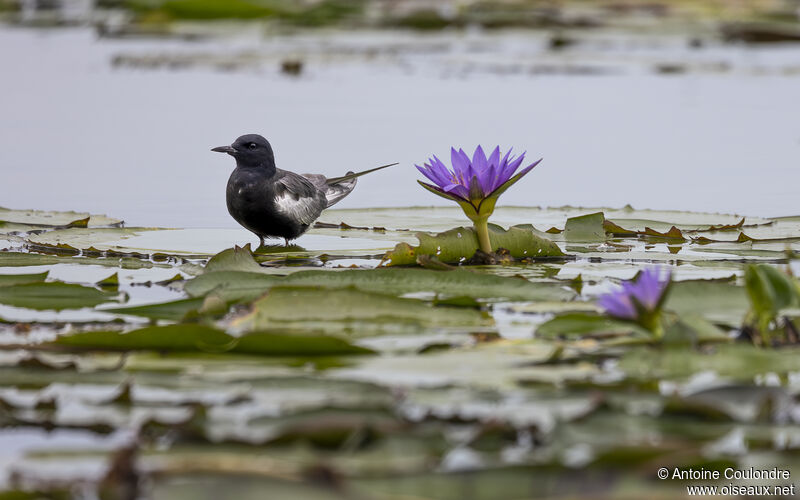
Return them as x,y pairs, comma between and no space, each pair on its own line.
252,145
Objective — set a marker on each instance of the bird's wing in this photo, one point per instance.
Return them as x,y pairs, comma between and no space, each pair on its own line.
317,180
297,198
333,192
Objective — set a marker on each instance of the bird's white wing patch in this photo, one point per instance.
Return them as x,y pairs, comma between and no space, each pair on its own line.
298,199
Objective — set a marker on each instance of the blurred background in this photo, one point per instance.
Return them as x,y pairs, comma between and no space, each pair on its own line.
112,105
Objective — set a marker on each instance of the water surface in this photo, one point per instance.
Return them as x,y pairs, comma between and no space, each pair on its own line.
80,132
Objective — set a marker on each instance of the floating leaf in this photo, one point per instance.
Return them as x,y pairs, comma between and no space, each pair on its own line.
292,305
693,330
22,259
200,338
457,245
233,286
238,285
96,241
185,338
56,219
172,311
585,228
736,361
273,344
22,279
53,296
451,283
673,233
111,282
234,259
587,324
720,302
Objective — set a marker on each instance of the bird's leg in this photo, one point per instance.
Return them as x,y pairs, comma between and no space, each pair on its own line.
261,239
286,241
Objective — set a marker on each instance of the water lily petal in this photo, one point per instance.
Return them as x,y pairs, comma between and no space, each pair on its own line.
500,168
459,190
428,173
494,158
479,160
637,298
459,164
439,192
618,304
439,170
509,169
465,161
436,175
489,178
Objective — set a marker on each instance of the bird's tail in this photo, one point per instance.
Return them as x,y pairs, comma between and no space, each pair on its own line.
337,188
351,175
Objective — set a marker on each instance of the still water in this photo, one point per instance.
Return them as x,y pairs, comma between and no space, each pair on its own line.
90,124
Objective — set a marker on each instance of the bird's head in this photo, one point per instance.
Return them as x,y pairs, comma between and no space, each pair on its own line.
250,150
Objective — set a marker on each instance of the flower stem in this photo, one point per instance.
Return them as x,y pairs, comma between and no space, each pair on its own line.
652,322
481,225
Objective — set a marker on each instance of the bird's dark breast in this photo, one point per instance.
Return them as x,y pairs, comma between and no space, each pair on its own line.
250,201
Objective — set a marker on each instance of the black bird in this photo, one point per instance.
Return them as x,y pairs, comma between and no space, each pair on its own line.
272,202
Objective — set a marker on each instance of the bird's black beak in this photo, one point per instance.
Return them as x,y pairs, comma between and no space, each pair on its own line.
224,149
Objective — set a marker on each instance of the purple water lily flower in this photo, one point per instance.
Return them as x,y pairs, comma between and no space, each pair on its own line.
475,183
473,180
638,300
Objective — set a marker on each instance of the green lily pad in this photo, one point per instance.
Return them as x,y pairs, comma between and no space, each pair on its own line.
238,285
451,283
459,244
96,240
693,330
22,279
232,286
734,361
720,302
56,219
585,228
591,324
173,311
200,338
294,305
234,259
53,296
23,259
228,274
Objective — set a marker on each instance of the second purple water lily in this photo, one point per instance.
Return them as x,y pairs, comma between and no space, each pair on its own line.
639,300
